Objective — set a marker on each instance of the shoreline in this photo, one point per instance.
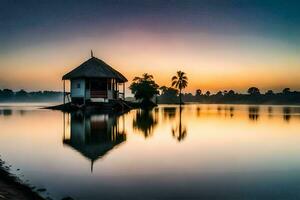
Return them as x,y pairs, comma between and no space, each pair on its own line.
12,188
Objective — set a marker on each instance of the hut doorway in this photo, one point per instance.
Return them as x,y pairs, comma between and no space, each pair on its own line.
98,88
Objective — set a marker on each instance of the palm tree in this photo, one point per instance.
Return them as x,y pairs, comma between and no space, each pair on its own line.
180,81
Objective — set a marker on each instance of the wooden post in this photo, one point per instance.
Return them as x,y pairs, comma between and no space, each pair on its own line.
123,129
84,90
64,92
107,99
124,91
117,91
64,131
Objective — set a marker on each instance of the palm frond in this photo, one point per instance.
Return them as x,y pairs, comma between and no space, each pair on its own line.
184,77
174,83
136,78
180,80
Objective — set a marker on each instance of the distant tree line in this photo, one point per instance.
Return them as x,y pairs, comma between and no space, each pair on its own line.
24,96
144,88
253,96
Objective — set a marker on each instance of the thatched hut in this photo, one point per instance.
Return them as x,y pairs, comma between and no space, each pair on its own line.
94,81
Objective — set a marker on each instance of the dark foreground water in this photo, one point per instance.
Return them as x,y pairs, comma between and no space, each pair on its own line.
197,152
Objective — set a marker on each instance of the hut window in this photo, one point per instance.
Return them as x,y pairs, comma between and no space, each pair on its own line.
78,85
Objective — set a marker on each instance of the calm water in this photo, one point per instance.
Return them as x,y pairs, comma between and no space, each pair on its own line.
197,152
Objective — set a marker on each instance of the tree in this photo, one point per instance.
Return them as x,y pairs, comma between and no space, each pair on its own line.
270,92
163,89
230,93
219,94
188,96
144,88
180,82
286,91
198,92
7,93
168,95
253,91
21,93
207,93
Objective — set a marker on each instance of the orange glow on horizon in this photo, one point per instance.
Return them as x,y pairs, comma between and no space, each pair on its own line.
211,62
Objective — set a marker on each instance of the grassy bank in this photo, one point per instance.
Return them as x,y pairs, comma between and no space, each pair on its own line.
12,188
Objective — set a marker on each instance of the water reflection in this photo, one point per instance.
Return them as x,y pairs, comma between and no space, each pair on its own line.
286,113
179,132
22,112
6,112
145,121
9,111
253,113
270,111
231,111
198,110
219,151
93,136
169,112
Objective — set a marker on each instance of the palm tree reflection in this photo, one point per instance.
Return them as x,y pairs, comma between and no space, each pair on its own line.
180,131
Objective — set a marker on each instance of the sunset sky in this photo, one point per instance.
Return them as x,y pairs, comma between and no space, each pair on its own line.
221,45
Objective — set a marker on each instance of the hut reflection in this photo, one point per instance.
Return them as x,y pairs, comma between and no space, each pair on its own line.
93,136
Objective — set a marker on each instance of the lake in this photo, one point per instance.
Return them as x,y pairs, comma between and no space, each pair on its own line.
194,152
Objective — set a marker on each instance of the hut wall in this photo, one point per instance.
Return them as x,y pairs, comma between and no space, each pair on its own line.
77,88
88,94
109,94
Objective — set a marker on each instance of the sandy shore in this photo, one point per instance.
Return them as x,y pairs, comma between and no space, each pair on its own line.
11,188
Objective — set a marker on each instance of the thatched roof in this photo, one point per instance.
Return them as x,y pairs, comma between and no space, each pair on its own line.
94,68
94,151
